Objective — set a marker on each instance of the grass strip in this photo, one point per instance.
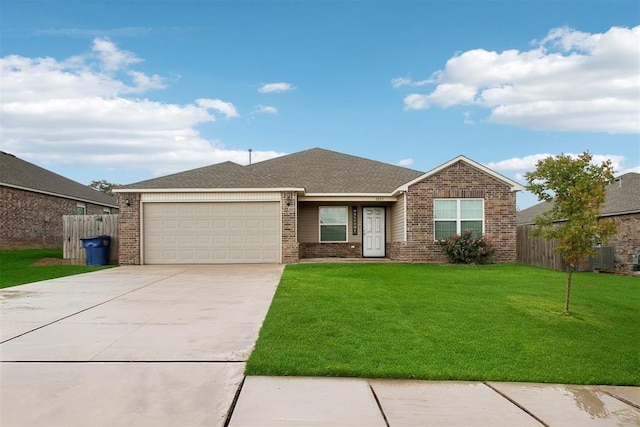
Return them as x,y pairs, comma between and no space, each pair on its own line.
451,322
16,267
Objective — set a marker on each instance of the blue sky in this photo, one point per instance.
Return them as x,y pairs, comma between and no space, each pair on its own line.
129,90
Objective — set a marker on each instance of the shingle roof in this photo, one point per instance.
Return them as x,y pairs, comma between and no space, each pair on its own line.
324,171
220,175
622,197
316,170
15,172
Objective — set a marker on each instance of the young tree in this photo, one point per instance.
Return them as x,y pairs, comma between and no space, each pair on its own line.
576,190
103,186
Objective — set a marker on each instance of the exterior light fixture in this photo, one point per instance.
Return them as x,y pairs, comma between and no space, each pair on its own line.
127,202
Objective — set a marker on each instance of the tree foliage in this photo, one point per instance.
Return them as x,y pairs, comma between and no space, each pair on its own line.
575,187
103,186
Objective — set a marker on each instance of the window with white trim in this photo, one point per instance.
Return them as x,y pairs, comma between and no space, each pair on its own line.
106,211
452,216
81,209
333,223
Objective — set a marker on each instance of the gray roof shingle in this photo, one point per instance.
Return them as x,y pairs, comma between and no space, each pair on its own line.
220,175
324,171
316,170
15,172
622,197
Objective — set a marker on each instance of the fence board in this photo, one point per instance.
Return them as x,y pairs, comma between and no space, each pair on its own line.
536,251
79,226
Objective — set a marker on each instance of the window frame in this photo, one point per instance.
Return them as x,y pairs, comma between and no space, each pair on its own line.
458,220
346,224
81,206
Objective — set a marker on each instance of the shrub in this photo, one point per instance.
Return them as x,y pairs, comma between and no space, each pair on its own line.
468,248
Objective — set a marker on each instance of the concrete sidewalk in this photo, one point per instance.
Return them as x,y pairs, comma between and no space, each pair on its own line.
304,401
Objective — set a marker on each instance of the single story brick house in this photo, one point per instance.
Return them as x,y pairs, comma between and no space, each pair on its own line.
34,201
622,205
311,204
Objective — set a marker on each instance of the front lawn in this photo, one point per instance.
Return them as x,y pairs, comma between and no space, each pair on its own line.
16,266
451,322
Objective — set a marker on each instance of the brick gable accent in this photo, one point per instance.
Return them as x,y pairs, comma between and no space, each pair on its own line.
460,180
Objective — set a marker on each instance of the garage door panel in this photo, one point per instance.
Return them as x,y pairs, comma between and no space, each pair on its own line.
211,232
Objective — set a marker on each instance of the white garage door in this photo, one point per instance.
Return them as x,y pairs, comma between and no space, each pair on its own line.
211,233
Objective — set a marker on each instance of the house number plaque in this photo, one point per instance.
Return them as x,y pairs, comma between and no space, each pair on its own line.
354,220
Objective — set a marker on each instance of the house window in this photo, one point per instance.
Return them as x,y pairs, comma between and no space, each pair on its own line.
452,216
333,223
81,209
106,211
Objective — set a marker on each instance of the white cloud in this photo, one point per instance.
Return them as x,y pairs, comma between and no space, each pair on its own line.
111,57
408,81
79,112
266,109
275,87
519,165
569,81
223,107
405,162
516,168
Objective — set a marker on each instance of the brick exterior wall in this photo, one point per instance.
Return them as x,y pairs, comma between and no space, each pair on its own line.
34,220
626,240
289,223
459,180
331,250
130,229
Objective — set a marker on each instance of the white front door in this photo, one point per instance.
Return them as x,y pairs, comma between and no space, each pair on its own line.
373,232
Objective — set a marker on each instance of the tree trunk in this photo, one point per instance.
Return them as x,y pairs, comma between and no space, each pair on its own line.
568,291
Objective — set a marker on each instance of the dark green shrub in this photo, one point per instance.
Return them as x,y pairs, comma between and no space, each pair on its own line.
468,248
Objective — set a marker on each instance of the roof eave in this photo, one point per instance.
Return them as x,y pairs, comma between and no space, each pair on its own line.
207,190
64,196
362,197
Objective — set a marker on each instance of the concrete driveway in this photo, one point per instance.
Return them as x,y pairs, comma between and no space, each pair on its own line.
137,345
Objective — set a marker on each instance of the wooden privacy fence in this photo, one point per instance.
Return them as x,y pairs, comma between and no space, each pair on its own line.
540,252
77,227
536,251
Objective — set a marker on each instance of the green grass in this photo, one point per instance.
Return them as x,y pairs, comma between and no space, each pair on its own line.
16,267
451,322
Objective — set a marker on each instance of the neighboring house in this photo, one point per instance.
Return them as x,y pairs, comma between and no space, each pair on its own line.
34,201
622,204
315,203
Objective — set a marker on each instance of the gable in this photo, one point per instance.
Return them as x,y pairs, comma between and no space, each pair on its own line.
457,170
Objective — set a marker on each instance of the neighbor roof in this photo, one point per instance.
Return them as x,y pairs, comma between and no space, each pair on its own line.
18,173
316,171
622,197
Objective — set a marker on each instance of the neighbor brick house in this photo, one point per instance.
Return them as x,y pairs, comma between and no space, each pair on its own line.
622,205
315,203
34,201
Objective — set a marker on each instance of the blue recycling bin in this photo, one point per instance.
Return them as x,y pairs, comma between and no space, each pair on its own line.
97,249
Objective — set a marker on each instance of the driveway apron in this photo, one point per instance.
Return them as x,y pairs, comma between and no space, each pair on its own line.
133,345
